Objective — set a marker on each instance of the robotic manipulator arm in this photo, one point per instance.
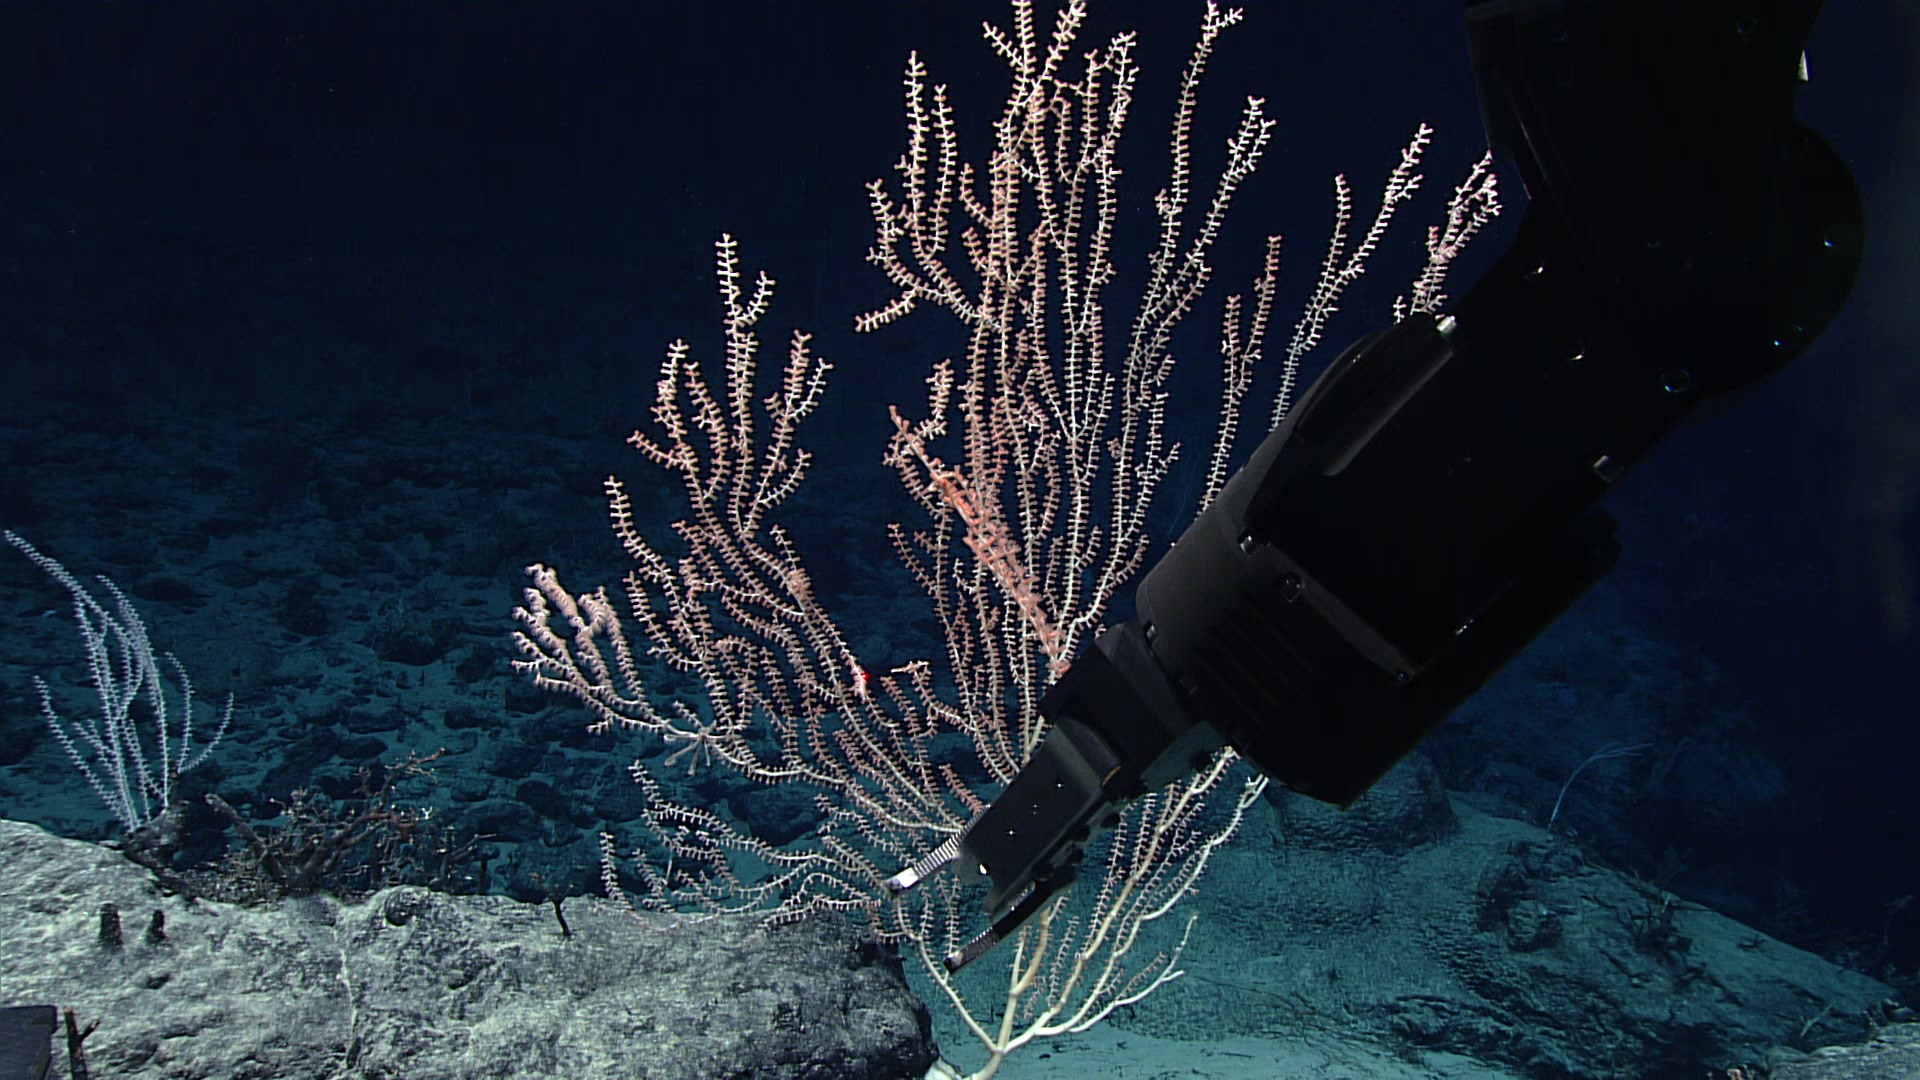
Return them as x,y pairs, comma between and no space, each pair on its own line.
1428,506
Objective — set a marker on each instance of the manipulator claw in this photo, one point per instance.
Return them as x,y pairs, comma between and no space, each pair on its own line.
1117,728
